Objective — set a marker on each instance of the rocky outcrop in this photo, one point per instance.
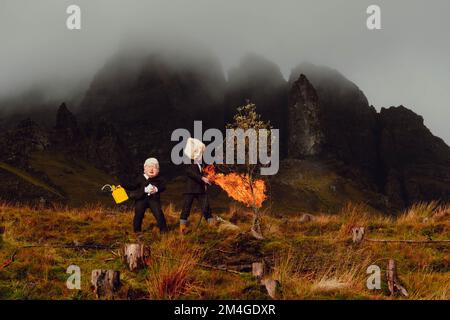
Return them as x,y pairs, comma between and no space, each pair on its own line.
393,150
259,81
306,136
66,132
415,164
347,121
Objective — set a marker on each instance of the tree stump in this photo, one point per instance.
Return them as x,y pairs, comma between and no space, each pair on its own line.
258,269
135,256
272,286
105,282
393,281
358,234
306,217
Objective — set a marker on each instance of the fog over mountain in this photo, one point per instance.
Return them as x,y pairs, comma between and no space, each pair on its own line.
405,63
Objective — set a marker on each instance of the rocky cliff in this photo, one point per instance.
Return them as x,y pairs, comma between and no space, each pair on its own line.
415,164
155,95
347,122
391,152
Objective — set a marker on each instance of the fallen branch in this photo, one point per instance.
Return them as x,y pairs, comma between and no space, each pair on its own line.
208,266
70,246
204,265
407,241
8,261
5,264
358,236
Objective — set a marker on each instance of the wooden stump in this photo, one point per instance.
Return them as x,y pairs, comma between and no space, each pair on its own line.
258,269
135,256
105,282
306,217
392,279
358,234
272,286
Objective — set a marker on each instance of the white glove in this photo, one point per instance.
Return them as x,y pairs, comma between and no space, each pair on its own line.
148,189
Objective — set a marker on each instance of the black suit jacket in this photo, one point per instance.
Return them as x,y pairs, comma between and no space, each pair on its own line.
136,188
194,182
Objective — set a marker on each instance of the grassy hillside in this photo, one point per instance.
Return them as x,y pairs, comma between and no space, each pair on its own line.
80,181
29,178
311,259
315,186
299,186
56,176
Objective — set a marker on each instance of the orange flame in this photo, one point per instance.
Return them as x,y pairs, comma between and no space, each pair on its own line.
237,186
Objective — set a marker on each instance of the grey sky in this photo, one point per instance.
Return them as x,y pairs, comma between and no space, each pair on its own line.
408,62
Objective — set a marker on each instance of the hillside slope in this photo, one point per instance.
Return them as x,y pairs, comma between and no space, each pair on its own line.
54,178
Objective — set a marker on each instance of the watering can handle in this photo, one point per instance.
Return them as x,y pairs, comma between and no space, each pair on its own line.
107,185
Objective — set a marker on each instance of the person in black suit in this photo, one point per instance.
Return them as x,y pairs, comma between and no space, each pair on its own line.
145,191
196,188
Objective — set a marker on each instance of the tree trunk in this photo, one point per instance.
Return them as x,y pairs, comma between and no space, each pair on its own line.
105,282
135,256
256,225
256,231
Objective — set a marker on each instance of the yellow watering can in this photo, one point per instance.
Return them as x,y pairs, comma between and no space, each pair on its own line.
119,194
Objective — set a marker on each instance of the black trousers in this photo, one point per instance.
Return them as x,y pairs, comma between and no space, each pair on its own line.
202,198
155,207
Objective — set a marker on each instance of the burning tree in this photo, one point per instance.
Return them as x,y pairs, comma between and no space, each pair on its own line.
244,183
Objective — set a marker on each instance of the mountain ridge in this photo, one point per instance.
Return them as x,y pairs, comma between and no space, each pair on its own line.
125,117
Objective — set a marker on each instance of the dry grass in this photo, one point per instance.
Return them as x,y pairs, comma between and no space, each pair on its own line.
342,276
424,213
170,275
312,260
